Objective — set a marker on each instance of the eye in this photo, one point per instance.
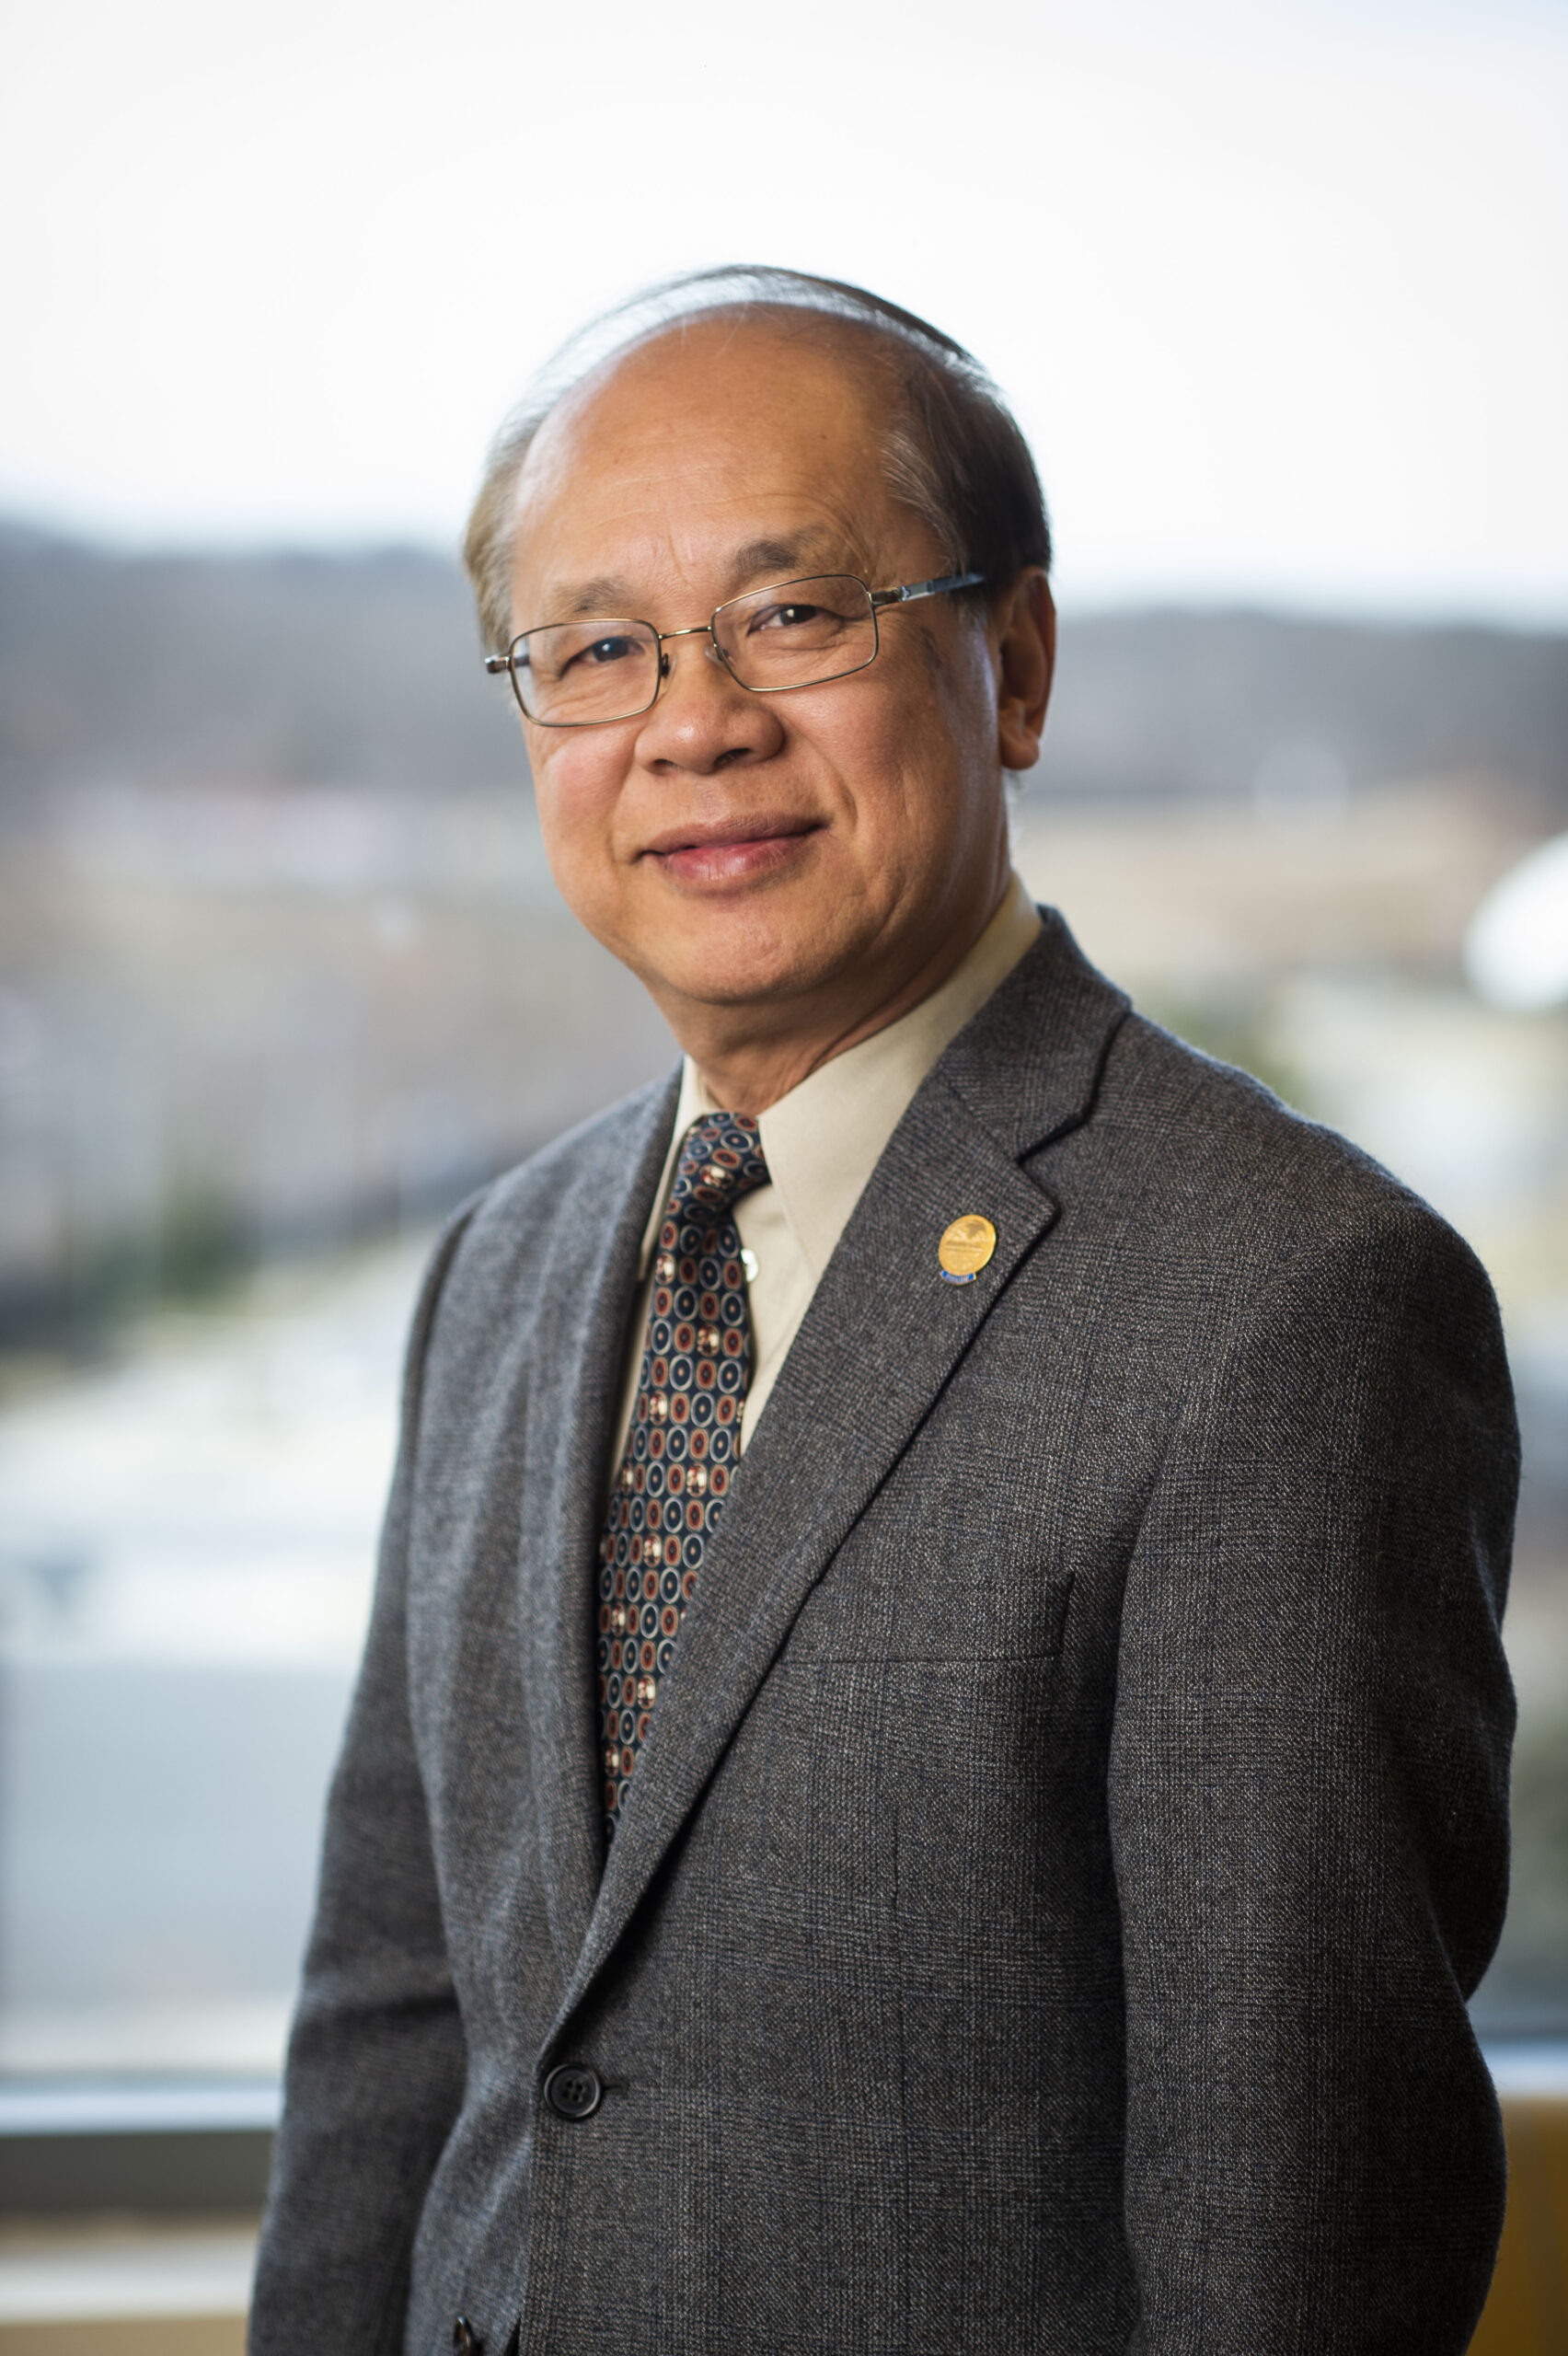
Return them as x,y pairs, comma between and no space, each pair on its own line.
787,617
600,651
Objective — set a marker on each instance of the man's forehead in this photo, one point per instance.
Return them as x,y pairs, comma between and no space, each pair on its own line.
755,445
769,379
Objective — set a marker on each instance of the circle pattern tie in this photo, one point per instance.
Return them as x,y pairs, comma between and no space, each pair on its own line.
685,1438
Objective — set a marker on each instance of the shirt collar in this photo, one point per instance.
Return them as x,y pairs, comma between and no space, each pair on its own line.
823,1139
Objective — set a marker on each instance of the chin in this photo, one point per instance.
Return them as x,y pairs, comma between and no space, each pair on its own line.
722,970
740,982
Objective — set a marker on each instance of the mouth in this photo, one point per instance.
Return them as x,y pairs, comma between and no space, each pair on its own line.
731,849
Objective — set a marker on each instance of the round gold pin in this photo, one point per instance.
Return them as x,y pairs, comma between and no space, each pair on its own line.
965,1247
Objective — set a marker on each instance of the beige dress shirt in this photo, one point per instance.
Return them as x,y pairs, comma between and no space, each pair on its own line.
822,1143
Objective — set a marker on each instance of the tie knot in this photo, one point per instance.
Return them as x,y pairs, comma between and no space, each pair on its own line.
721,1159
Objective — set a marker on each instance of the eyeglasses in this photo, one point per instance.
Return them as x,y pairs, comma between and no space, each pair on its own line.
796,634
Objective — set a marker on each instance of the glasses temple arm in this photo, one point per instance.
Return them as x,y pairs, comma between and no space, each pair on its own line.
913,589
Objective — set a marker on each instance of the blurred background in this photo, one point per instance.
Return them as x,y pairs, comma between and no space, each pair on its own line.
1281,295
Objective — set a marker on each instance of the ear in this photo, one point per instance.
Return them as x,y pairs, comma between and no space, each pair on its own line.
1024,627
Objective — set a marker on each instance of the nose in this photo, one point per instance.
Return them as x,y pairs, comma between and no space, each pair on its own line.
703,720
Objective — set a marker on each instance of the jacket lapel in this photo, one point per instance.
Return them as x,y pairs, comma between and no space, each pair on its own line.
880,1341
593,1280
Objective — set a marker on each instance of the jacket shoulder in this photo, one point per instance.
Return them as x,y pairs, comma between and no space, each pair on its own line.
574,1180
558,1214
1217,1155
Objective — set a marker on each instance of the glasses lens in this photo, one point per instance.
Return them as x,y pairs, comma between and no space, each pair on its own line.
571,674
799,631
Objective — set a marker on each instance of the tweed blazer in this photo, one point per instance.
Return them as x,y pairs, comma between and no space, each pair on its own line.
1073,1822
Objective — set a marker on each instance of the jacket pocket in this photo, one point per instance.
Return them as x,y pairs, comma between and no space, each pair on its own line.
924,1610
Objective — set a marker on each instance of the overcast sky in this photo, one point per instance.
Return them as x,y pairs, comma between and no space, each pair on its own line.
1281,292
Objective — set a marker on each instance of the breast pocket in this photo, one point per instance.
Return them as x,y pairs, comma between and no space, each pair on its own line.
922,1600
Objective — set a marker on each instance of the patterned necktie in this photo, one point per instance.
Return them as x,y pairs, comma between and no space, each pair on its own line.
684,1437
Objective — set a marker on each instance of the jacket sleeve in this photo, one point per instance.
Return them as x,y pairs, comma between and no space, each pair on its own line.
1309,1797
375,2064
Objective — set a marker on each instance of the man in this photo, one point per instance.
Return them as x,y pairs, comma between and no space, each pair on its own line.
930,1766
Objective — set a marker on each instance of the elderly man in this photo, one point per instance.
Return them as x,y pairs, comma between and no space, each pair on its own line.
930,1770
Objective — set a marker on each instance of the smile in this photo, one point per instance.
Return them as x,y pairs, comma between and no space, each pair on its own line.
729,851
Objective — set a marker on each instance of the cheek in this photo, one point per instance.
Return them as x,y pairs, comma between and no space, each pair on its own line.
902,762
577,786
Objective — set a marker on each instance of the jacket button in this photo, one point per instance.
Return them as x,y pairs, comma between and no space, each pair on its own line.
466,2340
573,2093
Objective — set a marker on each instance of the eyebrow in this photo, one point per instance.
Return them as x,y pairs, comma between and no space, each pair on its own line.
608,594
779,555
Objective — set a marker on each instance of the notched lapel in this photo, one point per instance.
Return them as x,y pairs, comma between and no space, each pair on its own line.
592,1279
1029,1064
880,1339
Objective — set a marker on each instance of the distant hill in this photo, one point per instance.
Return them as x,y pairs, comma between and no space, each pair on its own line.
363,669
273,668
1196,702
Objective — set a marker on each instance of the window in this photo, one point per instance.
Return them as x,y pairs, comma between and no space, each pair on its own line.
286,976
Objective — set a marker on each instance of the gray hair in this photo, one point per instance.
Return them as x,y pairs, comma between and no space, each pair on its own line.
953,452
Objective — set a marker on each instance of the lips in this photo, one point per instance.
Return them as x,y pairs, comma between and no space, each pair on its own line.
729,851
707,834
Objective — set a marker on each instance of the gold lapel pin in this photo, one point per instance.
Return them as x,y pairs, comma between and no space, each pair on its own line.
965,1249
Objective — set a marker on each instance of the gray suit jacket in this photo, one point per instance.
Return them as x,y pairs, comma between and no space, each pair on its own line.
1073,1823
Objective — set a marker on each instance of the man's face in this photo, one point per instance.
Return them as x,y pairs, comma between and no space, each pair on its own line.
775,852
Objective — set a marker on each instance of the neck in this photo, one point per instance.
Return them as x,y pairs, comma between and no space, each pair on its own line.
746,1069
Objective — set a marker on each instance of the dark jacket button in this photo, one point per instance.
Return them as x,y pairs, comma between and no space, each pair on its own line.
466,2340
573,2093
